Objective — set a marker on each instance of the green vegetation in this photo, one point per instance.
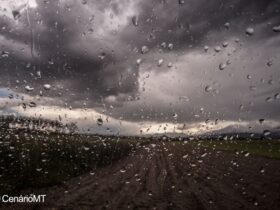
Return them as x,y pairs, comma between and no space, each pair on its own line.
265,148
32,159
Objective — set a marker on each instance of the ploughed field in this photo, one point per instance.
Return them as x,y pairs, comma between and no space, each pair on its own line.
156,175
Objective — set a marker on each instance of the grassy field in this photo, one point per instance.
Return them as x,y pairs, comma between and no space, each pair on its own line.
36,159
265,148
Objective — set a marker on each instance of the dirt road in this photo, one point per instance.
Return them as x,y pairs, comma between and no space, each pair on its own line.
168,176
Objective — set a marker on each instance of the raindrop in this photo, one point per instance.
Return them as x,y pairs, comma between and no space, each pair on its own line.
206,48
169,65
269,63
222,66
38,73
181,2
4,54
261,121
268,99
203,155
276,28
185,156
253,87
249,31
249,76
246,154
28,88
99,122
135,20
208,88
102,56
170,46
84,2
47,86
227,24
277,96
138,61
217,49
160,61
16,14
32,104
144,49
163,45
225,44
266,132
50,61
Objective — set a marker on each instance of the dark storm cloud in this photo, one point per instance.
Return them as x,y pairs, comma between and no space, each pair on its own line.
92,70
87,62
190,23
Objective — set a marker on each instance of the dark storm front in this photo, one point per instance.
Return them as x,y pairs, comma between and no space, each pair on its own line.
143,104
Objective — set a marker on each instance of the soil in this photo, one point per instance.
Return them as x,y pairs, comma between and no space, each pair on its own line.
171,176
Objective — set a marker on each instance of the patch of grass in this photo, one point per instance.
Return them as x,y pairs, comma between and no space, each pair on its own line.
36,159
265,148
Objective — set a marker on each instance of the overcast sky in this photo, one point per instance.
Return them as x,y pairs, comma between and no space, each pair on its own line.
151,65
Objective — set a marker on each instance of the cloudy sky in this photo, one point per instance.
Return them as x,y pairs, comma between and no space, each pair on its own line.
149,66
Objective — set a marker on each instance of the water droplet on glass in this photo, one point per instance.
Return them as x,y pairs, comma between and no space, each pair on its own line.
249,31
268,99
4,54
222,66
135,20
203,155
50,61
16,14
181,2
169,65
225,44
160,62
138,61
122,171
102,56
144,49
276,28
269,63
208,88
261,121
246,154
32,104
47,86
38,73
99,122
170,46
28,88
163,45
227,24
277,96
217,49
266,132
206,48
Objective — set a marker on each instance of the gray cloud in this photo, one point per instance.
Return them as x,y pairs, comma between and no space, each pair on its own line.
88,53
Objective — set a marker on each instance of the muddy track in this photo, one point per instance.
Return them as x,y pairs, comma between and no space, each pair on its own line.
161,176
